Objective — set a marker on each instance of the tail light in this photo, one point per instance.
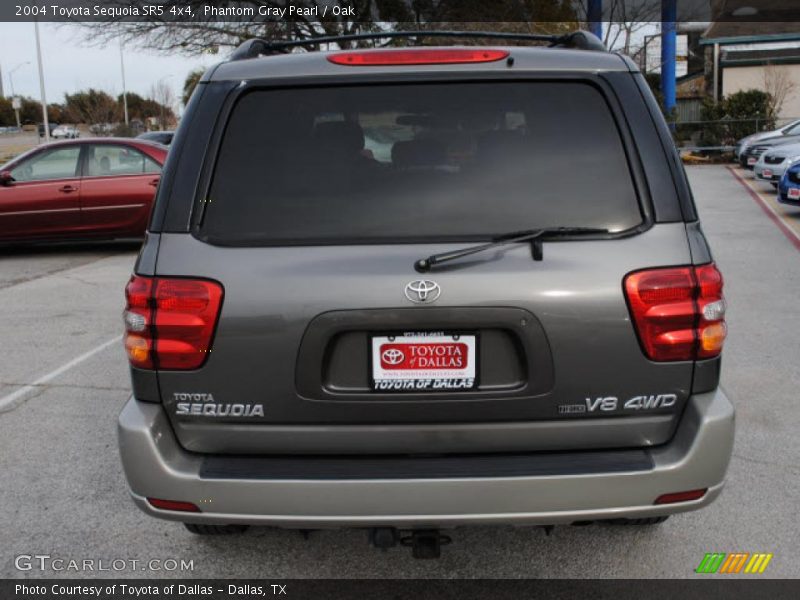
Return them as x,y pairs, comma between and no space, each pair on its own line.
169,323
679,312
416,57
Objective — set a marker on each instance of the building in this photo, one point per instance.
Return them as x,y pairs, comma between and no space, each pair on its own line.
743,55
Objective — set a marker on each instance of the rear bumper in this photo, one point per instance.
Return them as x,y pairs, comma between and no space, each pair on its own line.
157,467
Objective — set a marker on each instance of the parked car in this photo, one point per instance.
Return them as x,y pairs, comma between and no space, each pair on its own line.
51,127
773,162
102,128
749,157
65,132
789,186
792,128
160,137
79,189
439,335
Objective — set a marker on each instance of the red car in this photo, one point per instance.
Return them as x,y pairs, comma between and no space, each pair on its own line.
88,188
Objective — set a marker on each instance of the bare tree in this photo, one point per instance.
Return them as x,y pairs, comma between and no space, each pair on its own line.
779,84
162,94
208,32
625,20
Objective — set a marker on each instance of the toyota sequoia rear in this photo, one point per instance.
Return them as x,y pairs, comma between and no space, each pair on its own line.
420,288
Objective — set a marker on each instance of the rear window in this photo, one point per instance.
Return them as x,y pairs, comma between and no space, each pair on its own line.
427,162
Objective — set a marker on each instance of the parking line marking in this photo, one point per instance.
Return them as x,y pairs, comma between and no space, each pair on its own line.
790,233
14,396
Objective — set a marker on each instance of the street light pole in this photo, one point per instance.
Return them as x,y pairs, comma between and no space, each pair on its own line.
15,100
41,84
11,75
124,91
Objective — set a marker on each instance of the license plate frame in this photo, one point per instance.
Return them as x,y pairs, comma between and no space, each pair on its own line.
438,375
751,160
793,193
766,173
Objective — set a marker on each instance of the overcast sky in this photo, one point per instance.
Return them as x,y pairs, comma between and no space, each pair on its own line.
71,65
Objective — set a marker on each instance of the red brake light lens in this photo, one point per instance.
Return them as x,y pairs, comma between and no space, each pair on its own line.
173,505
416,57
169,323
679,312
687,496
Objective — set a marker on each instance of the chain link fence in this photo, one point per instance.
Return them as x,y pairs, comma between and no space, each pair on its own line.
720,137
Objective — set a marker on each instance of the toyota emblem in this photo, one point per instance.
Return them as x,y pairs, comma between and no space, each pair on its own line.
393,356
422,291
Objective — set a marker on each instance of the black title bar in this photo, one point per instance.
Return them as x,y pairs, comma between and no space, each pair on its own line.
390,11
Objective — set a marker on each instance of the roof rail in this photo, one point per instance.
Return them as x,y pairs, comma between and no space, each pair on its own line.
581,40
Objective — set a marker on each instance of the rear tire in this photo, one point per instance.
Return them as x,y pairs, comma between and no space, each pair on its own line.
202,529
642,521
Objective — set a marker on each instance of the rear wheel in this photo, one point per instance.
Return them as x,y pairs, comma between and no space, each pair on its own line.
199,529
642,521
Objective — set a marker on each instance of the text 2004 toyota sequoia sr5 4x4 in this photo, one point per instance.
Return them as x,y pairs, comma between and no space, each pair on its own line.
407,289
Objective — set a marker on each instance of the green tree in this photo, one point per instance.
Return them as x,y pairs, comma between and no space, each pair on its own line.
714,131
55,113
749,111
735,116
30,111
6,113
189,84
141,108
91,106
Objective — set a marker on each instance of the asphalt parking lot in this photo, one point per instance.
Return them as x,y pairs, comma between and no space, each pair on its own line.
63,380
12,144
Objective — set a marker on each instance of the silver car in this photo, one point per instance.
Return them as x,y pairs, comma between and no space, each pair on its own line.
791,128
511,316
773,162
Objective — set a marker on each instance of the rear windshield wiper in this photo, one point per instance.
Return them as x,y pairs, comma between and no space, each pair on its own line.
535,236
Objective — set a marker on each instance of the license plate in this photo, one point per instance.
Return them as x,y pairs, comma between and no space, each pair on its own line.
766,173
424,362
794,193
751,160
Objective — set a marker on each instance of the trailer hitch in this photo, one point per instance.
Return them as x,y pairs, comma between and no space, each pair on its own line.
424,543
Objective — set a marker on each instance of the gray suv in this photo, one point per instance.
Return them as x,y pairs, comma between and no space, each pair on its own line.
414,288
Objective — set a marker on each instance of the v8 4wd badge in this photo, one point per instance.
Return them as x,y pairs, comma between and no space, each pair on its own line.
612,403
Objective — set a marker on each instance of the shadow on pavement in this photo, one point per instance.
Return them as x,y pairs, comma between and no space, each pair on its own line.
71,247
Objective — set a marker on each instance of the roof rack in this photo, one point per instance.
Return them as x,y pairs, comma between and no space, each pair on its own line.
580,40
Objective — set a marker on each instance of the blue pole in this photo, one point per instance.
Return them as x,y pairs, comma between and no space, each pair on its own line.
669,13
594,15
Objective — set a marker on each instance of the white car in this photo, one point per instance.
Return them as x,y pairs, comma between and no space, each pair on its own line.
772,163
65,132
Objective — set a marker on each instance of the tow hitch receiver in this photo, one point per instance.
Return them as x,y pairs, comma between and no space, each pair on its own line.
424,543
